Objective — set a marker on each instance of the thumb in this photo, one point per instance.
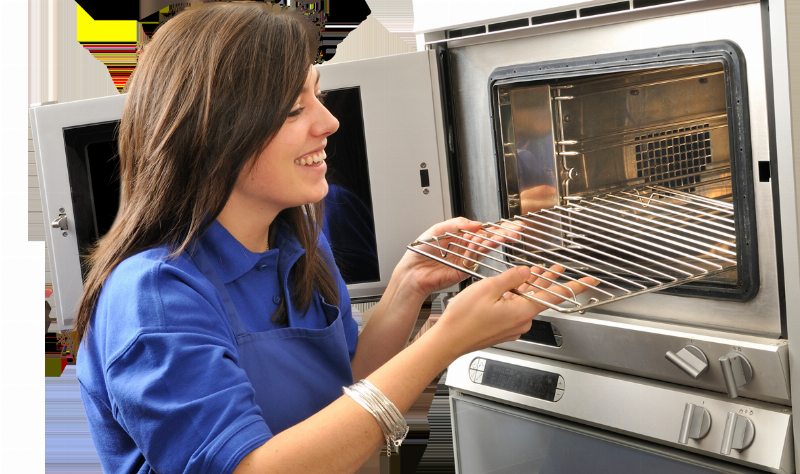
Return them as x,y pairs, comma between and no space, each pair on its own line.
508,280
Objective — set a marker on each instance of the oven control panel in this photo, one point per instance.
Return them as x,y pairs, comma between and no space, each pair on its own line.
535,383
744,431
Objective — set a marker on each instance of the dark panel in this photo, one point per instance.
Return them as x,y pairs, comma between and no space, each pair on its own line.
763,171
553,17
507,25
475,30
603,9
651,3
424,179
541,332
349,223
523,380
93,171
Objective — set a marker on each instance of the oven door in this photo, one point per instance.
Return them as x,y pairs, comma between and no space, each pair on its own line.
491,437
557,47
389,150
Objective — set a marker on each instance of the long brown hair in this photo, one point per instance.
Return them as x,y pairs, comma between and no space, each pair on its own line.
213,87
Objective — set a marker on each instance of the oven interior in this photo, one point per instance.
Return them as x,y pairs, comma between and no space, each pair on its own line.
632,168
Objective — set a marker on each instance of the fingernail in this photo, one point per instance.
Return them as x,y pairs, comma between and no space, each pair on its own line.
524,271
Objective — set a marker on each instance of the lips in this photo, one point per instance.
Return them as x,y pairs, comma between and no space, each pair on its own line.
312,159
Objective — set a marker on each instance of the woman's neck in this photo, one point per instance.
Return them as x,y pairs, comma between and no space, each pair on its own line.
250,228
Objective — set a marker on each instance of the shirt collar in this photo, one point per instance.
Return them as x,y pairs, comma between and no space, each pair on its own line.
231,259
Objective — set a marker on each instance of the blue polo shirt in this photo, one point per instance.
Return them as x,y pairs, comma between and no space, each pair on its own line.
161,379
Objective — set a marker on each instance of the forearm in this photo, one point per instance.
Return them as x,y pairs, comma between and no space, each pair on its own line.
389,327
341,437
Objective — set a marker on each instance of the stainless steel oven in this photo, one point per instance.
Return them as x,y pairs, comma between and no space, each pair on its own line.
634,141
640,143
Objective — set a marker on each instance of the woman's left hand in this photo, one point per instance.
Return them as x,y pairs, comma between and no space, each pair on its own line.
428,275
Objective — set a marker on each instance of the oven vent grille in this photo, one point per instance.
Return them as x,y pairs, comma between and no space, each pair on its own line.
627,243
674,154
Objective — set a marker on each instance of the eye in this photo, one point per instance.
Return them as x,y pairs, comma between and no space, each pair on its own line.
296,112
321,97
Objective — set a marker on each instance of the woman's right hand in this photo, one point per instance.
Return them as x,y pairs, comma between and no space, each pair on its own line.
485,313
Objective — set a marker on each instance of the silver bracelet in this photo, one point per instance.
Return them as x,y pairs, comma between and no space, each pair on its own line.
391,421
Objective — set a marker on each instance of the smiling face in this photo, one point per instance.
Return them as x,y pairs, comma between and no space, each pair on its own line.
290,171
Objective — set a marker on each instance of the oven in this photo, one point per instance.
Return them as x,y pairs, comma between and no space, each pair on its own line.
634,142
634,146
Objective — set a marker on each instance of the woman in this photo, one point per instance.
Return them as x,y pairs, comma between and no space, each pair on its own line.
217,330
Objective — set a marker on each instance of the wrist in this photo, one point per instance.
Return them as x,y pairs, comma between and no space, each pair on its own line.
441,344
406,286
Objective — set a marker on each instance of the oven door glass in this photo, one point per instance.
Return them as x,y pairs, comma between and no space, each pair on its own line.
613,130
493,438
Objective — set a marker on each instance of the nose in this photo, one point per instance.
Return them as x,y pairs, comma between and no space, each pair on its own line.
326,123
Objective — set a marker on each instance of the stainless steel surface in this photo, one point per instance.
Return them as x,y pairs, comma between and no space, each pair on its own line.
528,150
784,38
738,434
695,425
637,347
472,63
640,408
690,359
522,440
736,371
630,242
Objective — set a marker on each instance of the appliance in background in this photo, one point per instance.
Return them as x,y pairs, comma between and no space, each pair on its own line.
374,181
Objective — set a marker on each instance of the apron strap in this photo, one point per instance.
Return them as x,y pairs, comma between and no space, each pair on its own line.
203,263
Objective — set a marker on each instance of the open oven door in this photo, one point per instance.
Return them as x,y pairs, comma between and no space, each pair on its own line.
388,157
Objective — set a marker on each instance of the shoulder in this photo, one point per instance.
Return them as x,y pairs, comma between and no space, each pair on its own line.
152,293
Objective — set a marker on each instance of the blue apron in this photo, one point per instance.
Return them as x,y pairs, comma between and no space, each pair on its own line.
295,372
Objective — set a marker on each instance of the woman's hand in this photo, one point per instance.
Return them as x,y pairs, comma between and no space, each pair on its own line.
428,275
486,313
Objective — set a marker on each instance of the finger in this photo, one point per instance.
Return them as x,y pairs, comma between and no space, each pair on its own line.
558,294
510,279
551,275
452,226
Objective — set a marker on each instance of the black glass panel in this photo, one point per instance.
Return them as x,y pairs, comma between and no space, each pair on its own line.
522,380
93,169
349,223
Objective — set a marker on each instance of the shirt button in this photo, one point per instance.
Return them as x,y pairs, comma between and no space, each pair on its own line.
261,266
276,299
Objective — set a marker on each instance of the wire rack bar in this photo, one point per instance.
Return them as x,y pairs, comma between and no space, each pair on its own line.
629,243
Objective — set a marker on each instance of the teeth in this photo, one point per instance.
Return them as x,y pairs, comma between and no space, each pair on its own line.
311,159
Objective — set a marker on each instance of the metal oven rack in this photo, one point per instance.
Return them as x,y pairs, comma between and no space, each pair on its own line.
629,242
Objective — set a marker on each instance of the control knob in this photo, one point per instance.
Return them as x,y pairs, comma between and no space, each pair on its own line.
739,433
736,370
690,359
696,423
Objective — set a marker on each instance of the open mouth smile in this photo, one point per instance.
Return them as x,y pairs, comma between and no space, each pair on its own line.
312,159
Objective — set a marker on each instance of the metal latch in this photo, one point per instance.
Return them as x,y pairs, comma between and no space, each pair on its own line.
60,222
